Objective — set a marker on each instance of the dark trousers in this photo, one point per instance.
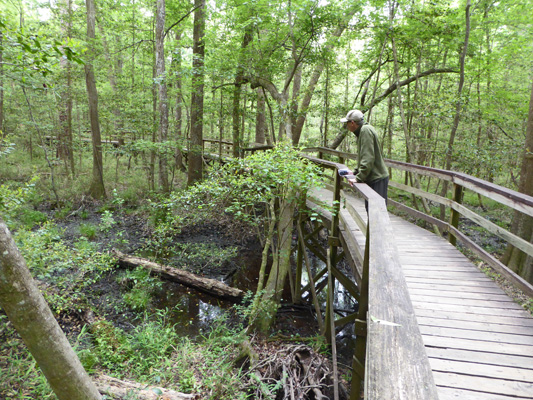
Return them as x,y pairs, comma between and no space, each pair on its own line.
380,187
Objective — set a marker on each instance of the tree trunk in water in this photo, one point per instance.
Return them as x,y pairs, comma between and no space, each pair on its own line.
195,163
97,188
522,224
27,310
280,267
162,93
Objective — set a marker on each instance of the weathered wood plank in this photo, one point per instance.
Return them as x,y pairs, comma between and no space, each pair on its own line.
463,294
475,310
452,282
482,326
485,385
459,300
476,345
482,370
446,393
446,275
462,333
457,316
497,359
440,287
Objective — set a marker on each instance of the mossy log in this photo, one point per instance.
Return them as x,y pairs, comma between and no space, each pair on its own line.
205,285
119,389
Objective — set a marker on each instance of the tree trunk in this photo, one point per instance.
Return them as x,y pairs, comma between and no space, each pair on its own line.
239,80
179,102
97,188
162,93
523,224
280,266
195,163
2,133
65,150
27,310
458,106
260,119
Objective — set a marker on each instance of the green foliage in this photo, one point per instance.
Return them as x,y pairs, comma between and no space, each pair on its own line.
14,199
141,284
88,230
154,353
70,271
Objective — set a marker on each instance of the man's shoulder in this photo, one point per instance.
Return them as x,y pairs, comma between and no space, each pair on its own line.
368,129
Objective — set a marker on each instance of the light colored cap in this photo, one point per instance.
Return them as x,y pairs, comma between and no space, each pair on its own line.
353,115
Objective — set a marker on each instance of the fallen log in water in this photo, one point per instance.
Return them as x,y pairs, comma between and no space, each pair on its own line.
119,389
206,285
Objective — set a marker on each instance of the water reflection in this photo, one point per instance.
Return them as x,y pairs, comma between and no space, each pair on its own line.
194,312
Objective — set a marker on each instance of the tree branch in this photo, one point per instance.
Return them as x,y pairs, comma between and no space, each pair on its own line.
405,82
179,21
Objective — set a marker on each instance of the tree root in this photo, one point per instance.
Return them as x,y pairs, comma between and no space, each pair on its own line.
290,371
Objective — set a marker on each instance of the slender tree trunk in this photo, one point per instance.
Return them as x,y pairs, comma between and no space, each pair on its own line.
117,125
239,80
280,265
162,93
260,119
195,163
523,224
65,150
2,133
28,311
458,105
179,102
97,188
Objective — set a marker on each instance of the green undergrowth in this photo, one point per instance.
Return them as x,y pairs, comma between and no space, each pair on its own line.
149,349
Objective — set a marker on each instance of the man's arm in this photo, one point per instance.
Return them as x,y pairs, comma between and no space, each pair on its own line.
366,151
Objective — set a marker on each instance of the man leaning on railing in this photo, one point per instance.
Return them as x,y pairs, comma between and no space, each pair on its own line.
371,168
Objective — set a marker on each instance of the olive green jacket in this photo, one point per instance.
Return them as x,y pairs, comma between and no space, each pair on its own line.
370,158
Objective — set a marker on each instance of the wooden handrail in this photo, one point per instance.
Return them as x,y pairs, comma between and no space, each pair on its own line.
390,354
515,200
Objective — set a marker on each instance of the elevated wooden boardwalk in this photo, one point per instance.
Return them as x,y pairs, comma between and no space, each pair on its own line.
479,342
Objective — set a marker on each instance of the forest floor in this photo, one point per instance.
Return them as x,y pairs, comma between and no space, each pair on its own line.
213,249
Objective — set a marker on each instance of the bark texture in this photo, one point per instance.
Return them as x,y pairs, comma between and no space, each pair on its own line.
133,390
206,285
29,313
195,163
97,188
522,225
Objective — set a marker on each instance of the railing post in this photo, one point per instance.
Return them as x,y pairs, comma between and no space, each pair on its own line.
454,215
359,356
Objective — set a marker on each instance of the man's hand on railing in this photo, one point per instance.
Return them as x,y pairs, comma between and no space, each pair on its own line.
349,175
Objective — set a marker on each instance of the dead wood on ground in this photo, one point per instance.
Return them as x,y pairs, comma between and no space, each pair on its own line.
119,390
206,285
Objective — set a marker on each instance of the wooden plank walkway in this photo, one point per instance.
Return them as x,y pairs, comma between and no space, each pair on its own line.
479,342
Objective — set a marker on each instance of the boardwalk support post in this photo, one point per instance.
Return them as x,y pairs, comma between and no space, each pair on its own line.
454,217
